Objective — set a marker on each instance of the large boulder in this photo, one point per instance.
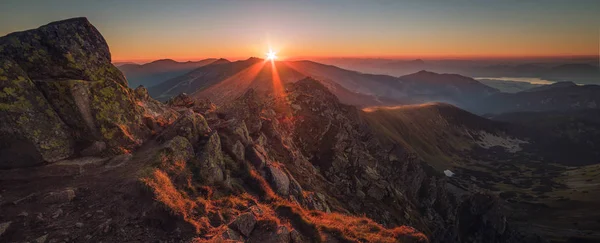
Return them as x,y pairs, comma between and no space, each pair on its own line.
211,160
237,151
62,74
172,158
190,125
234,138
278,179
204,106
176,149
181,100
257,155
244,223
71,49
141,93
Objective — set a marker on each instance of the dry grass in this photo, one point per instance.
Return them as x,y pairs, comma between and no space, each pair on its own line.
257,182
424,129
177,202
209,211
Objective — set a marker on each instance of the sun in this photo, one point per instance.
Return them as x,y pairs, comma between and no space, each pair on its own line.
271,55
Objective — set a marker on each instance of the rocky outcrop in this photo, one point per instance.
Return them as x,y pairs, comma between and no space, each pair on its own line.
190,125
61,73
211,160
328,147
244,223
279,180
182,100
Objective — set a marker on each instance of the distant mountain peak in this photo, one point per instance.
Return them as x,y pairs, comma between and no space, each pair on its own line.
221,60
311,82
424,72
255,59
167,60
418,61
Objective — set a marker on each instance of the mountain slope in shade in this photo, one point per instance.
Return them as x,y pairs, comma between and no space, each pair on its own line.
434,131
581,70
155,72
419,87
508,86
532,160
200,78
271,78
253,73
583,73
370,84
452,88
556,85
562,96
571,135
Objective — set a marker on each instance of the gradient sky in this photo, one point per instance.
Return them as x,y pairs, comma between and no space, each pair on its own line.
192,30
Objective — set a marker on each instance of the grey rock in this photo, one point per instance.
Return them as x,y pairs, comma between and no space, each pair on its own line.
211,160
41,239
4,226
264,235
238,151
63,196
57,213
278,179
257,156
190,125
230,234
244,223
96,148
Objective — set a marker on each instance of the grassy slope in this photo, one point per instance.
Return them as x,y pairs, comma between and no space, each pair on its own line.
430,130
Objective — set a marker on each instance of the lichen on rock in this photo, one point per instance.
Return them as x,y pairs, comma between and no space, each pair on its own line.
31,130
62,74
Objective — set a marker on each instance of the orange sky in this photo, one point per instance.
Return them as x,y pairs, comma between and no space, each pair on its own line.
193,30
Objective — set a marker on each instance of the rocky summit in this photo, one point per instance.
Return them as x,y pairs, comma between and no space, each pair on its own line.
87,159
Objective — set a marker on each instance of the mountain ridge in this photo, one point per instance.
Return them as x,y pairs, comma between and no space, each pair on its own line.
152,73
402,90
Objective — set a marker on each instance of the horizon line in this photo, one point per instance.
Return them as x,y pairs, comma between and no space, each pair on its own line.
391,57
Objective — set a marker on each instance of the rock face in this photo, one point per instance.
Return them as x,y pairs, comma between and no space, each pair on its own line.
211,160
182,100
279,180
244,223
190,125
61,74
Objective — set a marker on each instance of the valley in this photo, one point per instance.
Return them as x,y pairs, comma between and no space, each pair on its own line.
544,193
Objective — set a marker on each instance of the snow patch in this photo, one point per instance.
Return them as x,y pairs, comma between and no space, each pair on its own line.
448,173
488,140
